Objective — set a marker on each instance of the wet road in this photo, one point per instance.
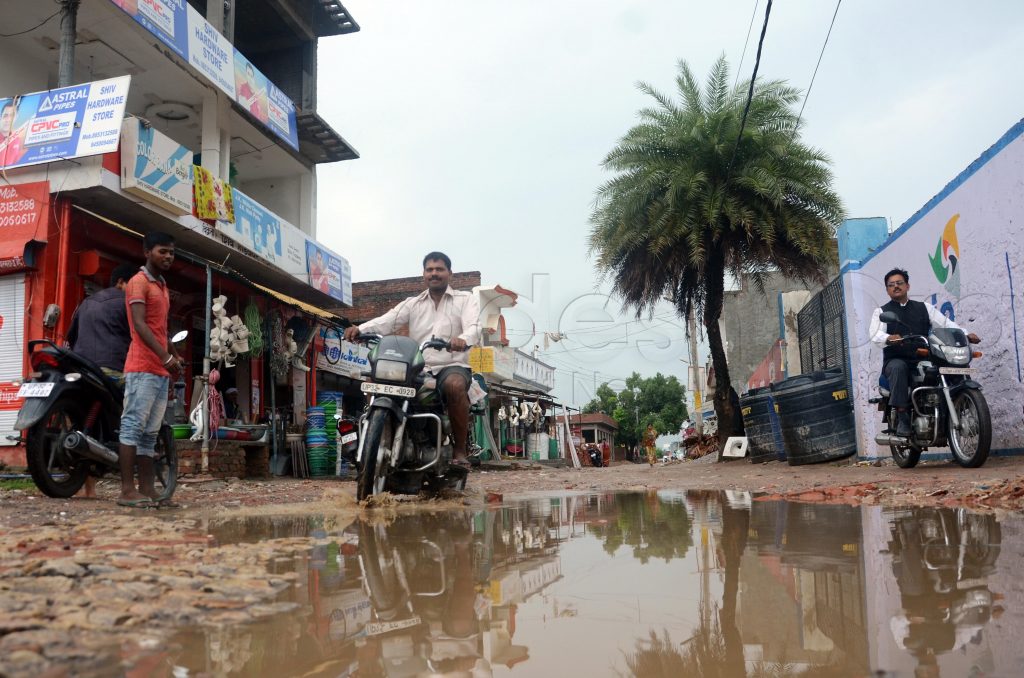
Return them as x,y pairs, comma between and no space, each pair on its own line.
697,583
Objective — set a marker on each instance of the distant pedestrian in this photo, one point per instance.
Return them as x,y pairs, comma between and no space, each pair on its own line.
650,436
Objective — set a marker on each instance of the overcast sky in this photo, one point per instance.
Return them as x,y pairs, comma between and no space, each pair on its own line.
482,125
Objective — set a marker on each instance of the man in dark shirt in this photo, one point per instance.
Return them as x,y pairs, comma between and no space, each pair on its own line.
99,331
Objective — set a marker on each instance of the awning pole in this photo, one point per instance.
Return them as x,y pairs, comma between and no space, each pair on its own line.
206,372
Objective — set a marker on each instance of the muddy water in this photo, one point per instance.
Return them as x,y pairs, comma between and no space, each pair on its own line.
668,584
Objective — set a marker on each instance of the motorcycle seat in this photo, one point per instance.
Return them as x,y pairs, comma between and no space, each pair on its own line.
883,386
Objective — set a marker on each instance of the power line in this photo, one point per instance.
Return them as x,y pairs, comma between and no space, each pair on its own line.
29,30
746,42
750,92
815,74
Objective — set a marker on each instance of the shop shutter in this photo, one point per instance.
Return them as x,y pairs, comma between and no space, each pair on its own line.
12,349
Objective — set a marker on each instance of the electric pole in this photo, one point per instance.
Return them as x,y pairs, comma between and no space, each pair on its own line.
68,35
691,331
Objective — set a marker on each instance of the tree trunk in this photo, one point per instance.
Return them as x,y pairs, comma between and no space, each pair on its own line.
715,287
735,523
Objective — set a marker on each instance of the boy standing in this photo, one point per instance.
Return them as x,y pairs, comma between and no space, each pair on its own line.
150,362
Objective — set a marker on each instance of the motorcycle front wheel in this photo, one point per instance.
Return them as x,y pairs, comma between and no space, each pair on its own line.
905,456
373,470
55,471
971,442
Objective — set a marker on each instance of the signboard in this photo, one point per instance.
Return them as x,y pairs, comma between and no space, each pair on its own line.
166,19
155,167
267,235
210,53
770,370
264,101
338,356
326,272
70,122
23,217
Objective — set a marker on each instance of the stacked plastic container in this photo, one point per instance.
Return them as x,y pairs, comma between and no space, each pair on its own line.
330,401
318,449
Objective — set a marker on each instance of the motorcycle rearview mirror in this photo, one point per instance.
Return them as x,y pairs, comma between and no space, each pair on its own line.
338,417
889,317
179,337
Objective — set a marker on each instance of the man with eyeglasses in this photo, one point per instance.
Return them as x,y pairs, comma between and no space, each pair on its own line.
916,317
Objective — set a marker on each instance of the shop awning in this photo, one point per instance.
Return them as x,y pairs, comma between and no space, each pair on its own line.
275,293
109,204
501,389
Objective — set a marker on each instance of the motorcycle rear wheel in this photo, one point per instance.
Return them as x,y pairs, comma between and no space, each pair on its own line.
970,443
905,456
373,470
56,472
166,462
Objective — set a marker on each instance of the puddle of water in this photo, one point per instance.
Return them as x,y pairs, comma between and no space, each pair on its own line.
656,584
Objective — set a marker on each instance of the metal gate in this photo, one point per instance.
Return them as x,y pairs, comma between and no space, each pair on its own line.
12,351
821,327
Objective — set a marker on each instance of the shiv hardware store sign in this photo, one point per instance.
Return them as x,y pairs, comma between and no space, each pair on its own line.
155,167
70,122
184,30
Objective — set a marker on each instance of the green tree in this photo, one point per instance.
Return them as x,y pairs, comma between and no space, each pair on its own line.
694,199
657,400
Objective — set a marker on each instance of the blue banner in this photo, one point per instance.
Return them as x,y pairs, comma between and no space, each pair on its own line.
327,271
70,122
282,116
166,19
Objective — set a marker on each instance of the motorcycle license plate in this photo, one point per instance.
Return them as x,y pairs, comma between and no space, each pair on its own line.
349,438
35,389
388,389
377,628
956,370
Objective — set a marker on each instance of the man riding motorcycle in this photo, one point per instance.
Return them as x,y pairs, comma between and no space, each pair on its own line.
445,313
916,318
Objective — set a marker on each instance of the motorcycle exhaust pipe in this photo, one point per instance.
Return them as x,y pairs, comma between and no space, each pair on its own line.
891,439
90,448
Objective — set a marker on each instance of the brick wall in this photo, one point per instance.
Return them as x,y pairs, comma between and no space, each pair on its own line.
227,460
376,297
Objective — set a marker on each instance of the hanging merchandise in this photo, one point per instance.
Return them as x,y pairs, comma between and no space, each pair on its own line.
254,323
502,414
229,337
284,348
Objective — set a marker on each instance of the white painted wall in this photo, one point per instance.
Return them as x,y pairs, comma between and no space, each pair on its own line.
987,201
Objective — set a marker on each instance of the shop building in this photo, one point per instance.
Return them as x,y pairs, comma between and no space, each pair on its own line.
198,123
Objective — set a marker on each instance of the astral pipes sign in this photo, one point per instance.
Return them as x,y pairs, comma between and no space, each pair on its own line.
70,122
964,252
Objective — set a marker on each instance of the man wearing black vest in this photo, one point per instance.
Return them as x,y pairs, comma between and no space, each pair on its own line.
917,318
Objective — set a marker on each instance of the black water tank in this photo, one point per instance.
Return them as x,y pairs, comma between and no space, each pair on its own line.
816,417
761,425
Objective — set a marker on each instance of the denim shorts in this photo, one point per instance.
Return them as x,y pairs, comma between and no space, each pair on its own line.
145,400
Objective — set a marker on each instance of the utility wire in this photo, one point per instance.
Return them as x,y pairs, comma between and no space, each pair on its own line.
750,92
29,30
815,74
746,42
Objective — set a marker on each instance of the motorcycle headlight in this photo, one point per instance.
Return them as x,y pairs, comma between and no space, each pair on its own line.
390,370
957,355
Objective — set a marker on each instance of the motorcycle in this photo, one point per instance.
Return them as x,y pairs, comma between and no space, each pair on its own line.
348,439
948,406
594,454
942,559
71,418
405,438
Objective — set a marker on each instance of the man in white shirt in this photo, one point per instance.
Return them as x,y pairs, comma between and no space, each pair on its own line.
439,311
916,317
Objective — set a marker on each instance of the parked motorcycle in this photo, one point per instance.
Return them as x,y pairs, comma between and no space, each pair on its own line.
948,406
71,418
348,439
595,456
405,438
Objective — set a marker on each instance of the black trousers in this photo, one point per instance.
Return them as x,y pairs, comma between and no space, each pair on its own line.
897,371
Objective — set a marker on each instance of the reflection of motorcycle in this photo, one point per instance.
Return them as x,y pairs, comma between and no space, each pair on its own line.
405,436
949,407
422,593
942,559
71,417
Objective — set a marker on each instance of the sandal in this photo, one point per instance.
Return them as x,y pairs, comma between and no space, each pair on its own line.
167,503
141,502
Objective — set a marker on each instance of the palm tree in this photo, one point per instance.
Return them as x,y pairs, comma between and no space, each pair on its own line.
694,199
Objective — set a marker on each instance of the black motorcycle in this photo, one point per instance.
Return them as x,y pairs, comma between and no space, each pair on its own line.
405,438
71,418
948,406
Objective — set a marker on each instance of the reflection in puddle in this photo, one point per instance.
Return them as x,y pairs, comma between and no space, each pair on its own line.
655,584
